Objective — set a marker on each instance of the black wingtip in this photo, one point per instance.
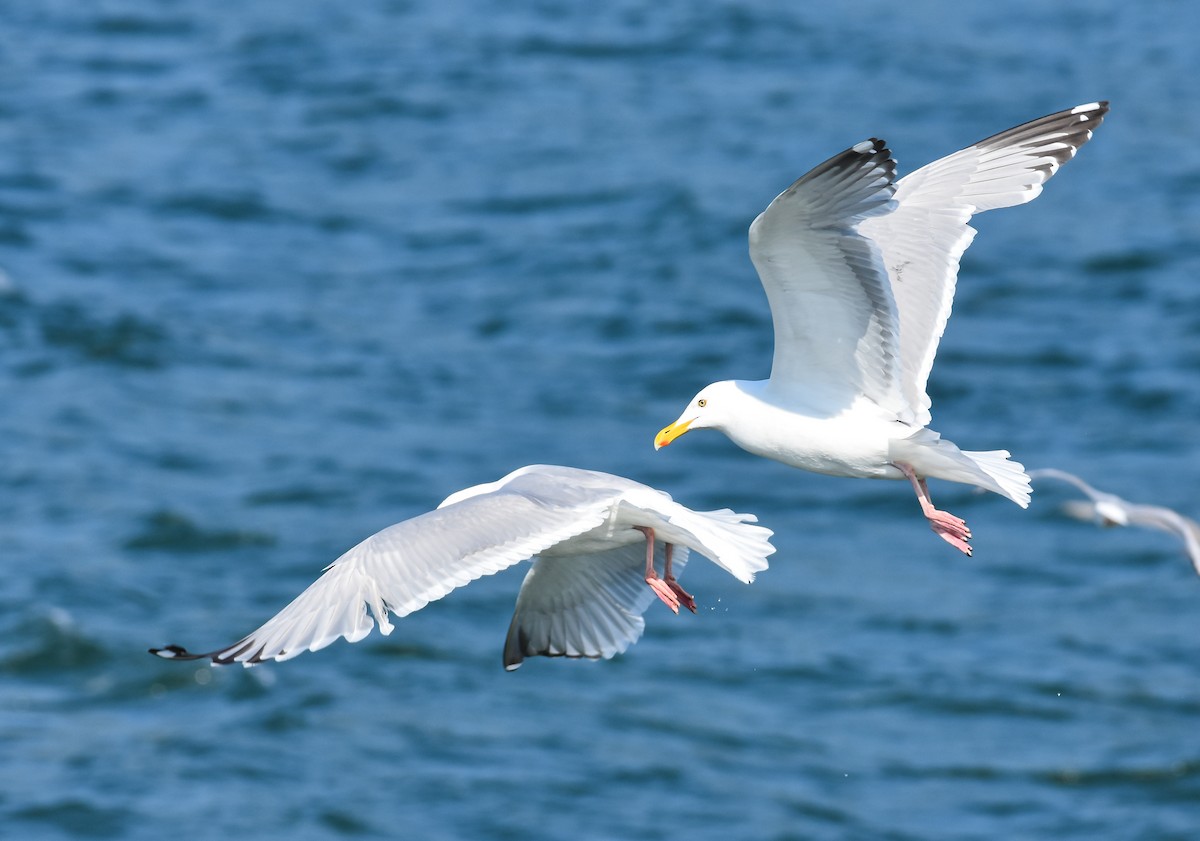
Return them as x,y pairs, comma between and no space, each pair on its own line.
174,652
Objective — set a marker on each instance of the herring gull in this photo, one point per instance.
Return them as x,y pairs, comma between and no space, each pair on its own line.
859,270
1106,509
596,539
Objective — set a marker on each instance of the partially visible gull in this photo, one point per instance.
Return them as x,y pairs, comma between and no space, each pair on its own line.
597,541
1107,509
859,270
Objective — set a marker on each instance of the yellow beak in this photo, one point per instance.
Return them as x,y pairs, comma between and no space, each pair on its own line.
670,433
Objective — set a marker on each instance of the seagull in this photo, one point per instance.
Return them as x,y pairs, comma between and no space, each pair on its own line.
859,270
597,541
1108,510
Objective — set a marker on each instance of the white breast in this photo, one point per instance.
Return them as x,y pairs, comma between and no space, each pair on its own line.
850,442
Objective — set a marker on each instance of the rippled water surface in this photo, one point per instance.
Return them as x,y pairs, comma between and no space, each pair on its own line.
278,275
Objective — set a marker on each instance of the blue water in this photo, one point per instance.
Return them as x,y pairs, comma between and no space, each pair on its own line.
277,275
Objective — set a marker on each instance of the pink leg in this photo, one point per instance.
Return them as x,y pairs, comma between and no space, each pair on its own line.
685,598
660,587
950,528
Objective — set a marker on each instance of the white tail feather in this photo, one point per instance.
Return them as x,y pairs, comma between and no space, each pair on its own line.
1009,476
728,539
932,455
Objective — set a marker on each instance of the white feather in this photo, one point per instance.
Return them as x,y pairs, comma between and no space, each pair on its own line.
583,598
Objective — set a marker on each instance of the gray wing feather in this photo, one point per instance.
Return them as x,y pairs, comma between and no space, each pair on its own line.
832,307
406,566
583,605
924,239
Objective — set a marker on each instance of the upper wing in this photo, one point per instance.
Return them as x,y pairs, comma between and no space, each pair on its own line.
831,302
923,240
406,566
587,605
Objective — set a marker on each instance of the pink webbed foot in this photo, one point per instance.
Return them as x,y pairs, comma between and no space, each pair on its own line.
945,525
951,529
684,597
663,590
666,587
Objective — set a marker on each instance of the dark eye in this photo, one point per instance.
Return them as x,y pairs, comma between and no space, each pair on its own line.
701,402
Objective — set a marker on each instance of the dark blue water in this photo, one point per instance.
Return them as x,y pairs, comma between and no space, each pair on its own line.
279,275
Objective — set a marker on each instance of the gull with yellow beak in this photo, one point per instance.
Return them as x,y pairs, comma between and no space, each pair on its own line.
859,270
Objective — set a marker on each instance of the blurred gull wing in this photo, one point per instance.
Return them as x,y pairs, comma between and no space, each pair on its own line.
1168,520
1070,478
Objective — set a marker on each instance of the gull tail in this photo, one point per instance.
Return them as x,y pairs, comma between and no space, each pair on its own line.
993,470
1008,477
730,540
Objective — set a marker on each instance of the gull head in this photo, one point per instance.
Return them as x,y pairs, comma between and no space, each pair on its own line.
707,410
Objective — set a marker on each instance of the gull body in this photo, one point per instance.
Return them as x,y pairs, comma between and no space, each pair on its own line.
860,269
598,542
1107,509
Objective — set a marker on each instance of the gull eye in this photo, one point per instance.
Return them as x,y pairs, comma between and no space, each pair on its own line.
701,402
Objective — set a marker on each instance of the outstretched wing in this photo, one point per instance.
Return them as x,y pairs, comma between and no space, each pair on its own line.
406,566
831,302
923,239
